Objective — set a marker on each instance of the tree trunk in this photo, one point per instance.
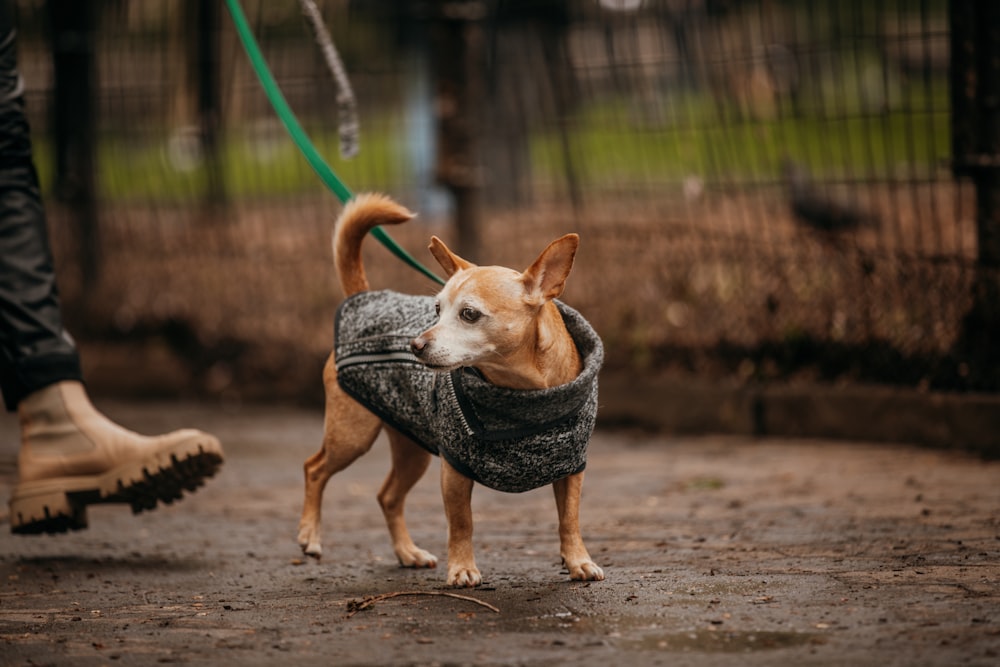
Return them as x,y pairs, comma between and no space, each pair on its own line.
457,59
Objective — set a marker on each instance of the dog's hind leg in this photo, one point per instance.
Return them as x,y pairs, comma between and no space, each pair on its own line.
409,462
349,432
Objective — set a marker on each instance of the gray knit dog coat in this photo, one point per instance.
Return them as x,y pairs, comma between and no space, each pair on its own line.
507,439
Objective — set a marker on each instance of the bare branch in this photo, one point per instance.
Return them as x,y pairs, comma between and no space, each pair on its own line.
354,606
346,104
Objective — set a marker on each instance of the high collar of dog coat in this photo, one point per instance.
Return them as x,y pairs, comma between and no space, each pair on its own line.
508,439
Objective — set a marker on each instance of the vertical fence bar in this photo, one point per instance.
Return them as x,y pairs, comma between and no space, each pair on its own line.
975,75
72,27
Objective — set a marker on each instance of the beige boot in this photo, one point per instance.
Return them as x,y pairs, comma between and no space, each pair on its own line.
73,456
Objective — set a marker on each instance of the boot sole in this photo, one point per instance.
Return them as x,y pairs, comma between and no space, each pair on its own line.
60,505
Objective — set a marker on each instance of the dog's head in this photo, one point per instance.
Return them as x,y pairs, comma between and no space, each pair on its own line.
489,316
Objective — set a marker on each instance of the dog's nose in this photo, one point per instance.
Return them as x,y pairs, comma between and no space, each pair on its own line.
418,345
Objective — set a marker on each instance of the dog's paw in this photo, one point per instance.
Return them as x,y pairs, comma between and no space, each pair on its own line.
309,541
464,577
585,571
416,558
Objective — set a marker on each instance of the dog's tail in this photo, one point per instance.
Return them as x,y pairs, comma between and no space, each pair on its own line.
359,216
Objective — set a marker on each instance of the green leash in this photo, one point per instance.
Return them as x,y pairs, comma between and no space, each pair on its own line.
300,137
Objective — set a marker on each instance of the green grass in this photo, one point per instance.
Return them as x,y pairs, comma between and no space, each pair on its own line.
607,148
611,144
131,170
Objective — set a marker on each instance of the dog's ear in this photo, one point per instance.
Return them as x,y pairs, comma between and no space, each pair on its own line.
449,261
546,278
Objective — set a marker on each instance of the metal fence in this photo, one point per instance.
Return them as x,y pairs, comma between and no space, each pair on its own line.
765,190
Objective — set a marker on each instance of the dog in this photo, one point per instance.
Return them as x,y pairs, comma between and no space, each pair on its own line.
492,337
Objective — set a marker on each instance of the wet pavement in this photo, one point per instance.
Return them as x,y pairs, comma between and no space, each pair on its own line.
717,550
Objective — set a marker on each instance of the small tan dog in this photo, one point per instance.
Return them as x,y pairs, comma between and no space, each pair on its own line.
502,323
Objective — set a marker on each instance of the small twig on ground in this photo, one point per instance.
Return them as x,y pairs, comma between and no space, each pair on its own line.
354,606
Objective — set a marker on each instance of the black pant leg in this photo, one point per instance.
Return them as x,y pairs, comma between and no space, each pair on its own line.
35,350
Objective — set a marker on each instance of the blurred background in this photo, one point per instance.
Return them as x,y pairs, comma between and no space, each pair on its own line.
768,192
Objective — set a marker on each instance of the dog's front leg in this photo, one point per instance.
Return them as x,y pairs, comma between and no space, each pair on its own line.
574,554
456,490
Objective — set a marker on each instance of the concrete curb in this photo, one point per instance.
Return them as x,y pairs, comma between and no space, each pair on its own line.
968,422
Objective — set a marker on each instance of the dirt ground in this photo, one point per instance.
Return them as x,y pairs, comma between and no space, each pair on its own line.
717,551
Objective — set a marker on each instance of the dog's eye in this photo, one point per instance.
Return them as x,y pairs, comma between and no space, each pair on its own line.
470,315
437,308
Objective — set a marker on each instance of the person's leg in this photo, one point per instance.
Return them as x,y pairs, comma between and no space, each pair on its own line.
35,350
71,455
